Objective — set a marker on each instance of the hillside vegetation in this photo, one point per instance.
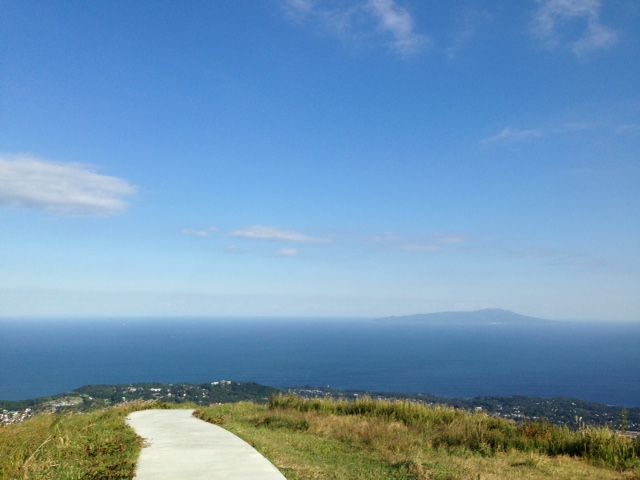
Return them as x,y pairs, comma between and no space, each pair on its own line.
372,439
70,446
328,439
559,411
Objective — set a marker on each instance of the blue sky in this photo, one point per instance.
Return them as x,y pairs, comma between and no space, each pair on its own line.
320,158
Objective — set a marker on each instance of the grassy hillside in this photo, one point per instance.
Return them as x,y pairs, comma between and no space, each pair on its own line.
95,445
367,439
89,445
327,439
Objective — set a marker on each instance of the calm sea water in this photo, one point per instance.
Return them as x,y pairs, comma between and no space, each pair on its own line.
595,362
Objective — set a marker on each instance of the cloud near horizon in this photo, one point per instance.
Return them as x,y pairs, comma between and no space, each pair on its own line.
555,257
275,234
67,188
362,20
428,243
553,15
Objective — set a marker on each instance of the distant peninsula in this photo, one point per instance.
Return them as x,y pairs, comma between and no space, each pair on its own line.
488,316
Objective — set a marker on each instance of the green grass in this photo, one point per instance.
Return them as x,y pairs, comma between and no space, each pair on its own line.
324,439
479,432
94,445
367,439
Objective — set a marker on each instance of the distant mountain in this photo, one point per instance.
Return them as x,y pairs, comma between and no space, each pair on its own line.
488,316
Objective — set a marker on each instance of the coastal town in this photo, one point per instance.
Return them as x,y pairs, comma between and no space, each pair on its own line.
8,417
101,396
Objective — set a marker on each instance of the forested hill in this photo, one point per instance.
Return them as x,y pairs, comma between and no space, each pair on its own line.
488,316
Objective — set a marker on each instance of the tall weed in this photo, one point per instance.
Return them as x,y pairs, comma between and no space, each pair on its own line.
479,433
94,445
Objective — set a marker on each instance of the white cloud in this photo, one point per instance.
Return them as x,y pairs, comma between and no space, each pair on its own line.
300,7
386,237
72,189
337,21
510,135
275,234
399,23
556,19
287,252
199,233
355,21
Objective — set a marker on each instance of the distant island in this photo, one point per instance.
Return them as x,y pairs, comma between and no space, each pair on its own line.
488,316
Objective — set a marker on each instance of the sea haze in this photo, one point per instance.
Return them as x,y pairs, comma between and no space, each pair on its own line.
599,362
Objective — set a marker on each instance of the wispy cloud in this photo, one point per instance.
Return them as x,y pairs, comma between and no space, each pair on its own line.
442,243
66,188
300,7
427,243
363,20
287,252
452,239
423,248
555,20
468,24
434,244
199,233
629,129
386,237
399,23
511,135
275,234
575,127
236,250
553,257
338,21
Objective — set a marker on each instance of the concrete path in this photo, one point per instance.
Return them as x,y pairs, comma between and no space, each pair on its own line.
180,446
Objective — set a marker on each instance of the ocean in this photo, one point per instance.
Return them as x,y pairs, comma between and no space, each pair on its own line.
598,362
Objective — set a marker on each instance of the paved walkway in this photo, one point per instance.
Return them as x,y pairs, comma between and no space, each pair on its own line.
180,446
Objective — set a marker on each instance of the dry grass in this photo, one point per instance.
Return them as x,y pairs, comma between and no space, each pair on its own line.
479,432
95,445
317,443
